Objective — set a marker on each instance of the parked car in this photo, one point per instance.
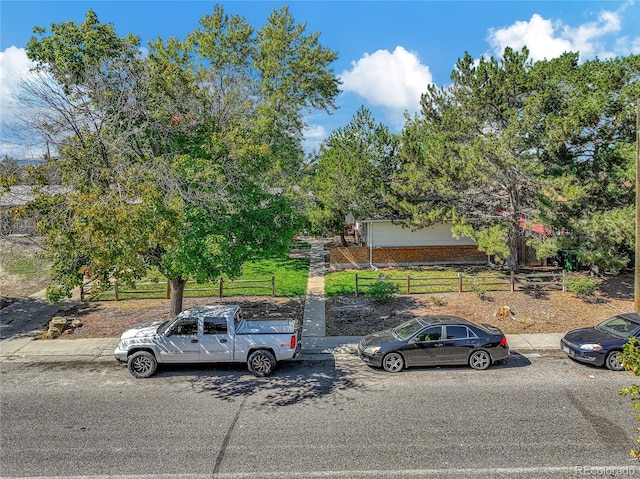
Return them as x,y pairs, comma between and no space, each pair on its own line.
434,340
602,345
210,334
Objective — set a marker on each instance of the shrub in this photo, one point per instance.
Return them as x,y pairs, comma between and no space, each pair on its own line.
437,301
581,286
479,289
382,290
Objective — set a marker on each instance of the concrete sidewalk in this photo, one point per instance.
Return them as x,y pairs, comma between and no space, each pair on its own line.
20,324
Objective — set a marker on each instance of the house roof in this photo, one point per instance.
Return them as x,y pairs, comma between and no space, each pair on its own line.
20,195
539,228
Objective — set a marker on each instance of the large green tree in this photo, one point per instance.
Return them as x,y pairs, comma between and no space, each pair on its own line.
590,150
513,143
469,158
354,168
177,158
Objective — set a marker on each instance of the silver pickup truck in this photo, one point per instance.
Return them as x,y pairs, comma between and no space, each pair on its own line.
210,334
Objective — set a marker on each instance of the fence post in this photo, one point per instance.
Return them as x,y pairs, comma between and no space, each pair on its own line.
459,282
273,286
356,284
168,289
408,284
513,281
221,287
82,291
115,289
564,282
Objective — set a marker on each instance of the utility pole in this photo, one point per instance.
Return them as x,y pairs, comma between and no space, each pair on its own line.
636,268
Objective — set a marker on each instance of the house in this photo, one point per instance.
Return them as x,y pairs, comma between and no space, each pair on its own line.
382,242
21,195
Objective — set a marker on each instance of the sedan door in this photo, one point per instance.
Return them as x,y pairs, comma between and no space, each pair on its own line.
425,348
180,343
459,342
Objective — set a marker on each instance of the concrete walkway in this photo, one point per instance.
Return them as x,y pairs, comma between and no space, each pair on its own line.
20,324
313,321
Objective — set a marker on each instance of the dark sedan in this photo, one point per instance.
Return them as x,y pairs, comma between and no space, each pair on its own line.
432,341
602,345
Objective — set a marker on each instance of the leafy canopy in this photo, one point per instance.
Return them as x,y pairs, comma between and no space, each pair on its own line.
177,158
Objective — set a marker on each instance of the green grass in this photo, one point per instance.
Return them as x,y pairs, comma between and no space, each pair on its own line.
28,266
290,274
438,280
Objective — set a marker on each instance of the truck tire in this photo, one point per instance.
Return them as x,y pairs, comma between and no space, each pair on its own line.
261,363
142,364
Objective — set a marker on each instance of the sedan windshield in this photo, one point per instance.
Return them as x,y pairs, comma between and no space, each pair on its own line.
408,329
618,326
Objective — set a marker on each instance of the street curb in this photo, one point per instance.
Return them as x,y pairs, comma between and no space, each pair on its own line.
306,358
318,348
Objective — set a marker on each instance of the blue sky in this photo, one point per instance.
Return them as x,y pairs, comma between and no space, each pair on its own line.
389,51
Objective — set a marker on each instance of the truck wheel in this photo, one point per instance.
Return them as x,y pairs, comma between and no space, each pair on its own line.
261,363
142,364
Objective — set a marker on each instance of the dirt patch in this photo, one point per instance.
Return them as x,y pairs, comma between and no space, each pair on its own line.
15,287
534,311
514,313
110,319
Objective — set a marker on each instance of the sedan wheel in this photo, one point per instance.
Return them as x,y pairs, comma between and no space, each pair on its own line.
614,361
393,363
480,360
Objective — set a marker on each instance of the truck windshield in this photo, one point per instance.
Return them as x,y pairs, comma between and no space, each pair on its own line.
163,326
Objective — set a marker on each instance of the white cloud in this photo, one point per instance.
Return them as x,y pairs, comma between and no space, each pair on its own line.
537,34
393,80
314,135
14,67
549,39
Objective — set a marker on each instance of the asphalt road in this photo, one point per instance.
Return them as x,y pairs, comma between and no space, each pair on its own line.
530,418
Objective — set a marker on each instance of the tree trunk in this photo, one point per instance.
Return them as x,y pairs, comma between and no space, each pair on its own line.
343,240
177,293
513,261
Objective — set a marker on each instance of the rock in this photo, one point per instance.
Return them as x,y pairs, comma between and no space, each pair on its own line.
504,312
56,326
53,332
76,323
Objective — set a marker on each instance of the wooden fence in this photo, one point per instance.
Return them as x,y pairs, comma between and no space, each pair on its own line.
219,288
465,283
